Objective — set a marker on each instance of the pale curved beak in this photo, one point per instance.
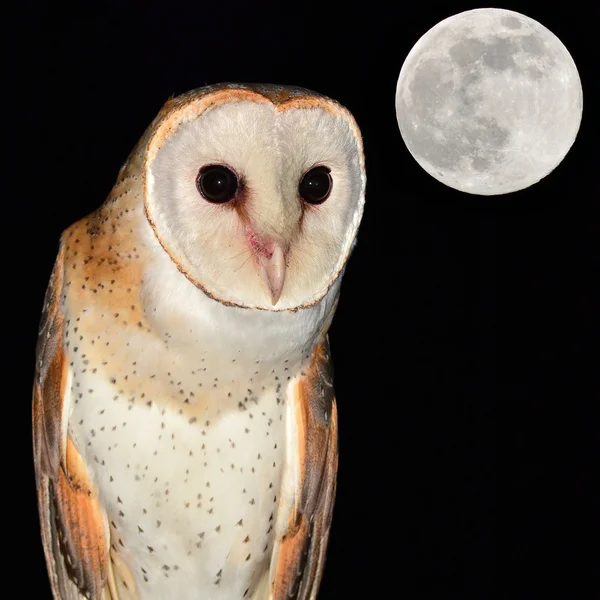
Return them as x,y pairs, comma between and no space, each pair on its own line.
272,269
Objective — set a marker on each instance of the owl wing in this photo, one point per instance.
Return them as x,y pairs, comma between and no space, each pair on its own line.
74,530
299,553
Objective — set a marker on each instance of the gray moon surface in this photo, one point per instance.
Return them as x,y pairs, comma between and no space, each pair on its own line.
489,101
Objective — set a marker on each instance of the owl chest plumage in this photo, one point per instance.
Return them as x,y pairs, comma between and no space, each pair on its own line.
187,454
179,408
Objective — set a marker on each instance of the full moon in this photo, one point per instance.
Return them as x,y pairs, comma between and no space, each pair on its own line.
489,101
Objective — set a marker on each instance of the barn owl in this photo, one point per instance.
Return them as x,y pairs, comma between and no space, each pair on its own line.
185,425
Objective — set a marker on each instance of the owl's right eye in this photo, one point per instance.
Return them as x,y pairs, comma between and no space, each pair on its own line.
217,183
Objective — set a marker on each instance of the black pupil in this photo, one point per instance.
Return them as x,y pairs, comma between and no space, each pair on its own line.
316,185
217,183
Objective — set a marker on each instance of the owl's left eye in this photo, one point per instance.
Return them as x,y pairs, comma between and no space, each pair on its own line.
217,183
316,185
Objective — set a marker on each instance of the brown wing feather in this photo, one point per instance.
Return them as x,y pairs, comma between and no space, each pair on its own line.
72,523
301,554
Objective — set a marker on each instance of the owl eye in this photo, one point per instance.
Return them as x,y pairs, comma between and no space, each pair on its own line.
217,183
316,185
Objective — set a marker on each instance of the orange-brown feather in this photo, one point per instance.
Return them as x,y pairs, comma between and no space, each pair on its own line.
71,519
80,526
300,561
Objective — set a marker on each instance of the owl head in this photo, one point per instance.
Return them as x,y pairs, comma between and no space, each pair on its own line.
255,192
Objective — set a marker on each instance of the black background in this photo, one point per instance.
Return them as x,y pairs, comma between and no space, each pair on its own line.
466,338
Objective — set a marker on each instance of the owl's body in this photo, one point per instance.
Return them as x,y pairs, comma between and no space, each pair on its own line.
186,438
180,409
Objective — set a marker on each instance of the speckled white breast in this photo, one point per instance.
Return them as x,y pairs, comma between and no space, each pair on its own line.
187,454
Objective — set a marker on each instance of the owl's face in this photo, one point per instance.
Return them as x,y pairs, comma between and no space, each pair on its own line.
257,199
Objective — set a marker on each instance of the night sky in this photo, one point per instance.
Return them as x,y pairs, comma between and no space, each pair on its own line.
465,344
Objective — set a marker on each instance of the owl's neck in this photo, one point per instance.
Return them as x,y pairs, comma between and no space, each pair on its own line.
189,319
